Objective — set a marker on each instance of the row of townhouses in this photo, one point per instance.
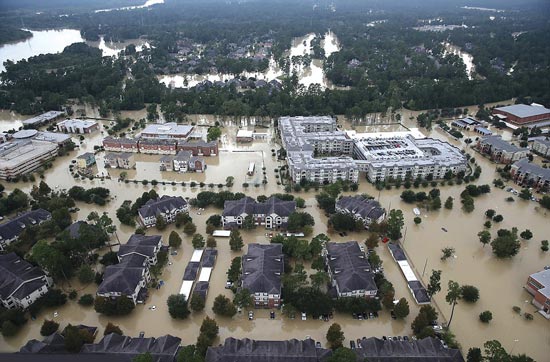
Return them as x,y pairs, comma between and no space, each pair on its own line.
12,229
273,213
160,146
130,276
167,207
499,150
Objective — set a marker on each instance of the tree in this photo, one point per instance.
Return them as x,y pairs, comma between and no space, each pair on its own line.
486,316
408,196
401,309
335,336
342,354
177,306
86,300
223,306
447,253
372,241
75,338
298,220
208,333
454,293
213,133
526,234
544,245
48,327
198,241
490,213
395,224
112,328
525,194
160,224
9,329
545,201
417,220
434,286
234,271
215,220
243,298
189,228
174,240
143,357
85,274
235,240
449,203
301,203
484,237
506,244
211,242
197,302
474,355
470,293
498,218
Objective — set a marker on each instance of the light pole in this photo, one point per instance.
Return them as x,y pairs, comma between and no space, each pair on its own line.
423,270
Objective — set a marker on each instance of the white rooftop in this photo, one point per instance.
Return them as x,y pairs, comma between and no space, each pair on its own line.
167,129
197,255
244,133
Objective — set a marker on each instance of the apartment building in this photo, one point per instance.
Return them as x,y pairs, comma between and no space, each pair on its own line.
262,268
166,206
532,175
500,151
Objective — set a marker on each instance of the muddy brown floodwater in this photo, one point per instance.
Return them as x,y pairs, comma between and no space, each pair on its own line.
500,281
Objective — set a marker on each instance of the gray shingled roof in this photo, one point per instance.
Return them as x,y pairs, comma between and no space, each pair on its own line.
397,252
161,205
248,205
248,350
121,279
140,244
201,288
209,258
424,350
532,169
263,266
497,142
15,226
349,267
367,208
191,271
16,275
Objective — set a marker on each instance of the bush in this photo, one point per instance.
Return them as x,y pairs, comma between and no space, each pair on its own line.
470,293
48,327
112,328
528,316
486,316
223,306
197,303
86,300
85,274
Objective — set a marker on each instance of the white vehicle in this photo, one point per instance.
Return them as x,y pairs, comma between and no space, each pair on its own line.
304,316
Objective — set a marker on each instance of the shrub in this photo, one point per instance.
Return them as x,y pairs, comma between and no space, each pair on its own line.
48,327
86,300
470,293
486,316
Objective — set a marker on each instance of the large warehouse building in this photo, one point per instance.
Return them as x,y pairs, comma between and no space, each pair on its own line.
520,115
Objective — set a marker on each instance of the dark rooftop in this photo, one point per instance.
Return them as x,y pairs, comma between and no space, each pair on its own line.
424,350
263,266
18,276
349,267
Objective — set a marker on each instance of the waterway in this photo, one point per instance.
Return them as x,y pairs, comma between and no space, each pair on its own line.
500,281
313,74
147,4
54,41
467,58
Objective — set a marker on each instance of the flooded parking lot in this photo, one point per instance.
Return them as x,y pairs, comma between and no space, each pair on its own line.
500,281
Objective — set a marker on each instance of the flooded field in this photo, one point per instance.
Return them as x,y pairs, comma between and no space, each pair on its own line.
312,74
500,281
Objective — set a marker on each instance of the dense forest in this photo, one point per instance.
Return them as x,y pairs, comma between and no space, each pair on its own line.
383,64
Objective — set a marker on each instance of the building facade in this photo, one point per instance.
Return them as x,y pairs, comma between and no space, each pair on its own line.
529,174
361,208
262,268
349,270
542,147
273,213
21,157
21,283
42,119
538,285
85,160
168,207
499,150
78,126
184,161
168,130
10,230
157,146
124,160
120,144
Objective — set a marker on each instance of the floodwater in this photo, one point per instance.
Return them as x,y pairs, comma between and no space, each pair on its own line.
10,120
147,4
313,74
54,41
500,281
467,58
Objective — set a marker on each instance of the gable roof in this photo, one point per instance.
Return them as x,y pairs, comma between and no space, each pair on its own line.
121,279
500,144
140,244
349,267
367,208
248,350
425,350
18,277
248,205
14,227
263,266
162,205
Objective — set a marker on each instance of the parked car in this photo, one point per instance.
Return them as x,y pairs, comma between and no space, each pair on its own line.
393,316
359,343
228,284
384,338
250,315
318,345
352,344
141,334
304,316
272,315
405,338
